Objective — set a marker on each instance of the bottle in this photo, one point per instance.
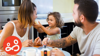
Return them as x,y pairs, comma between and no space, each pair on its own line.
45,51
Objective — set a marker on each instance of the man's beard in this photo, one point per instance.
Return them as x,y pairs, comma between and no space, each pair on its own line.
78,23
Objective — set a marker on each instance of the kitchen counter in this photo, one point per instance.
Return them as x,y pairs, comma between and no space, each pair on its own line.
43,21
67,17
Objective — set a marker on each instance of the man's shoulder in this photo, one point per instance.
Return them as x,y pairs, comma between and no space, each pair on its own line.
97,27
77,28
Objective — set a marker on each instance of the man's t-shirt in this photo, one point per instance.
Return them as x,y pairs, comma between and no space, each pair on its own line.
88,44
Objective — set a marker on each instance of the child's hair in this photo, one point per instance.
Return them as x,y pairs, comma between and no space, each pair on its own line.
57,16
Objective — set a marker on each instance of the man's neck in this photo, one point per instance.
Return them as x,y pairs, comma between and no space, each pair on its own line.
88,27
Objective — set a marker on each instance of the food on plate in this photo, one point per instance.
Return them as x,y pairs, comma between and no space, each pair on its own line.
55,48
35,22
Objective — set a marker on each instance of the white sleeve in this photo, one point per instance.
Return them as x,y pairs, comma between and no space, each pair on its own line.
97,47
74,33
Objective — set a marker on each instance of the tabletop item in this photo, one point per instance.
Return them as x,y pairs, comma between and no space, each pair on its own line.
45,51
29,52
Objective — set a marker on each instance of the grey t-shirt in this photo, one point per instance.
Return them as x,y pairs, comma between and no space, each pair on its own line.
88,44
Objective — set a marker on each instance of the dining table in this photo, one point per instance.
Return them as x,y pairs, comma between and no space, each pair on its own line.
3,53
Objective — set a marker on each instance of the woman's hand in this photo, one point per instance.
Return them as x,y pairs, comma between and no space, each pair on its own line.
56,52
37,41
27,43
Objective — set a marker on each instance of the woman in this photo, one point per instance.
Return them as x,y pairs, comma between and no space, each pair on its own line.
20,28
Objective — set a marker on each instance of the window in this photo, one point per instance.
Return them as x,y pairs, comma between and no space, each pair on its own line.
98,2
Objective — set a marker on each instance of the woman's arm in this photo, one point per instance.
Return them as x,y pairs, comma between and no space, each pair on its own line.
7,31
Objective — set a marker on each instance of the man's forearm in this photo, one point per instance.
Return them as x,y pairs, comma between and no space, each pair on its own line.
60,43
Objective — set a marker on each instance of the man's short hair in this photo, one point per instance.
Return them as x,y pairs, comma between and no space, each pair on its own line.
88,8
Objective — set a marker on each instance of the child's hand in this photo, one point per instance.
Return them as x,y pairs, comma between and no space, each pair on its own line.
37,25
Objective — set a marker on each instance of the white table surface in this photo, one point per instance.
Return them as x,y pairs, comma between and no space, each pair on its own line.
25,48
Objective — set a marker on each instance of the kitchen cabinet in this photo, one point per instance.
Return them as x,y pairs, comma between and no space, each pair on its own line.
65,31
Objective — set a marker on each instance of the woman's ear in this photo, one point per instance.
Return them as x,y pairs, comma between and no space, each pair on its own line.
82,18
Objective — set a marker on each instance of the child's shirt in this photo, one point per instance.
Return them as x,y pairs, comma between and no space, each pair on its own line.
54,37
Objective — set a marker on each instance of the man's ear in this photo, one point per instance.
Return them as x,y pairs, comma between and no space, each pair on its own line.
82,18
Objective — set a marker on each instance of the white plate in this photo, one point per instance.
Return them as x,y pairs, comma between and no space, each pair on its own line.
25,48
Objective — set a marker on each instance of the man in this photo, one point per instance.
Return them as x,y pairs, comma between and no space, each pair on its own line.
86,32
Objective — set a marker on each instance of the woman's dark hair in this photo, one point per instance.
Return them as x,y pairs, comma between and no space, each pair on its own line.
25,12
57,16
88,8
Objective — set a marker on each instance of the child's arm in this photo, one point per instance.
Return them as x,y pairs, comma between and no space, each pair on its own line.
49,32
38,28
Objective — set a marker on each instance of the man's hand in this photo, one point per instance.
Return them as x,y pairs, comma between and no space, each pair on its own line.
56,52
45,41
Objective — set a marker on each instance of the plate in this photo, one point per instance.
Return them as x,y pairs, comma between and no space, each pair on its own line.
25,48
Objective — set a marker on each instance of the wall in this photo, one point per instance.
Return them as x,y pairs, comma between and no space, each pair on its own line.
63,6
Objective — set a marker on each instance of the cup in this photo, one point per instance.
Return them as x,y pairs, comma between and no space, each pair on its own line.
29,52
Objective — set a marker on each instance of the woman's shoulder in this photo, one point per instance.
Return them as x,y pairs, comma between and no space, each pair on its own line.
10,24
15,21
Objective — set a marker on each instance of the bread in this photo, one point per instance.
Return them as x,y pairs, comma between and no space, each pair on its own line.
35,22
55,48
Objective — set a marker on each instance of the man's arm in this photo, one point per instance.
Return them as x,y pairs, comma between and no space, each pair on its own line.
61,43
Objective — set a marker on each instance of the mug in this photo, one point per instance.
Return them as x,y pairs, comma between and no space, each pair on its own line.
29,52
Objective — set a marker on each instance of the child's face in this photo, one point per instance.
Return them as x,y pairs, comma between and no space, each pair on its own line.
51,21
